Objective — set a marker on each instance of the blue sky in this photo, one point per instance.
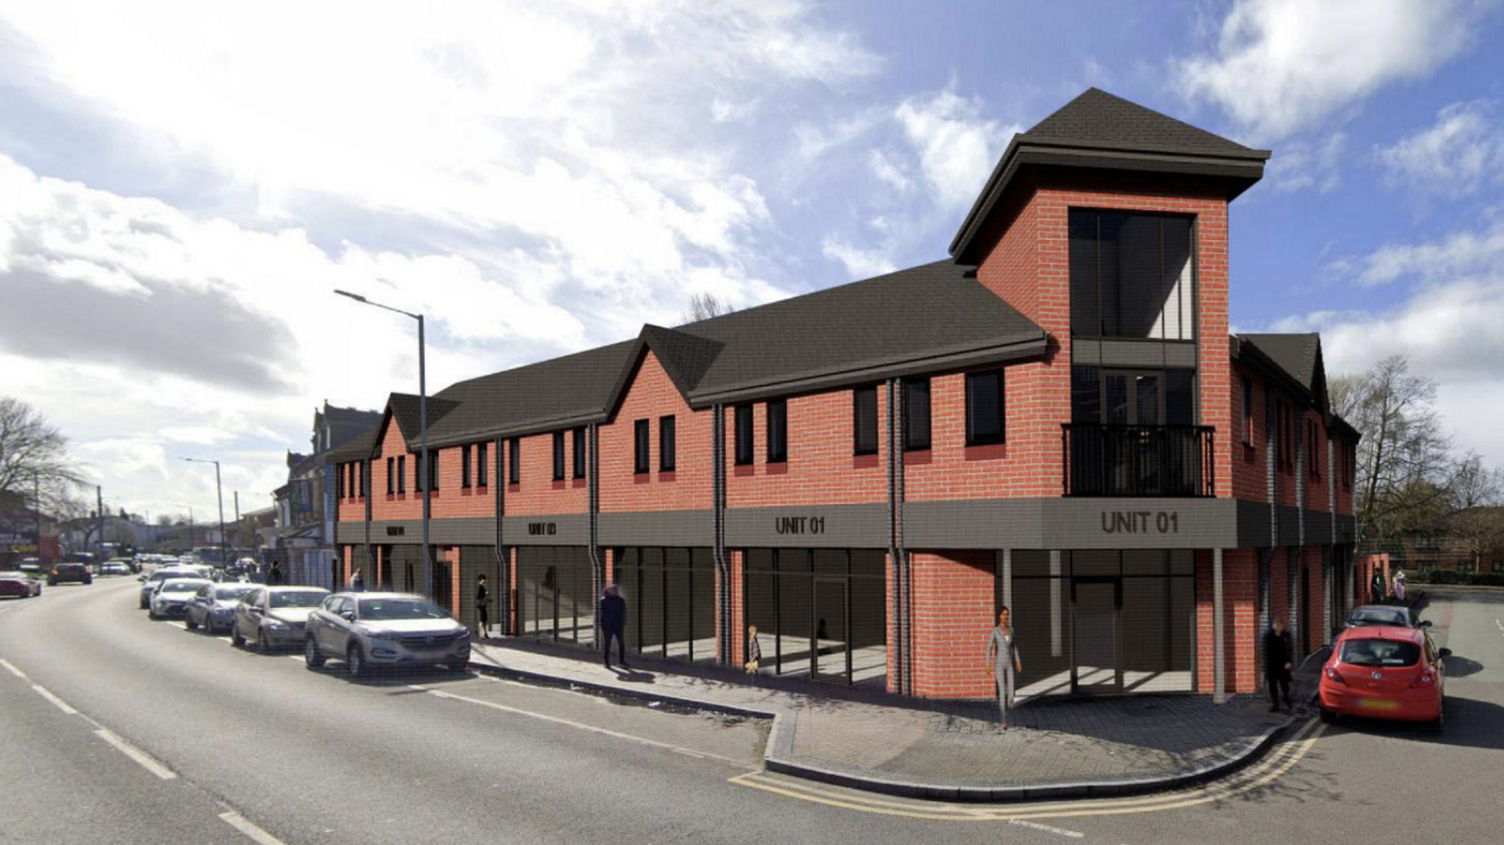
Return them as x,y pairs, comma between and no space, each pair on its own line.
181,187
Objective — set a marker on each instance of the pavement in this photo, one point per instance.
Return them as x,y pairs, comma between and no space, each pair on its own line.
951,751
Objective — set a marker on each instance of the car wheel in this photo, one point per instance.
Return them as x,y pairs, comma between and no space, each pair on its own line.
262,647
311,654
236,640
192,626
356,661
143,604
151,614
1439,723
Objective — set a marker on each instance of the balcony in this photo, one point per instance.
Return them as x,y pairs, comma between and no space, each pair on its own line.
1138,460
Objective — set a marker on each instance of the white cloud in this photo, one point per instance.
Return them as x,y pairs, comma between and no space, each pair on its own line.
1458,254
859,263
957,147
1307,165
1461,153
887,172
1283,66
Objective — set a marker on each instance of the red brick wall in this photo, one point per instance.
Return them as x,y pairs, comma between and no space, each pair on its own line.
1250,478
738,611
350,507
1240,606
821,468
952,470
452,500
538,492
1345,493
408,505
1029,267
1311,613
953,611
652,395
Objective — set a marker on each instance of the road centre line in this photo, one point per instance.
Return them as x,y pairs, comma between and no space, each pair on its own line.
12,669
57,702
1074,834
244,825
741,764
146,761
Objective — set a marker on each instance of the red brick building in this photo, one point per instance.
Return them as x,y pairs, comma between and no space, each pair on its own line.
1055,418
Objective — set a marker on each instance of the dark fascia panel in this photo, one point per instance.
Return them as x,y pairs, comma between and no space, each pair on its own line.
999,350
1240,171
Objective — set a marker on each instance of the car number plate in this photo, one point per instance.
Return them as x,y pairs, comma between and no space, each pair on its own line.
1377,704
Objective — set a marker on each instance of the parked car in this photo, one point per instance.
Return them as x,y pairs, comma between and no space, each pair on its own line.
31,566
127,562
77,573
150,582
1383,614
172,596
213,606
19,585
114,567
371,630
272,617
1385,672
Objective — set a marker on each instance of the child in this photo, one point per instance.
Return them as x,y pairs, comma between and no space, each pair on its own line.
754,650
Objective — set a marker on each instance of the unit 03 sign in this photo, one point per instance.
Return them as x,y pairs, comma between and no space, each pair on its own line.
1140,522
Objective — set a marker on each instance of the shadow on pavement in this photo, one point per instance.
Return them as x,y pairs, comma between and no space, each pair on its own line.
1470,723
1461,667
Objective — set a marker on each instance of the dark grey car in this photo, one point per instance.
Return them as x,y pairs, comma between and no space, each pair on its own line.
213,606
373,630
272,617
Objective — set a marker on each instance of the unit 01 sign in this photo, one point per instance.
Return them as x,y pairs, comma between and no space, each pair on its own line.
799,524
1140,522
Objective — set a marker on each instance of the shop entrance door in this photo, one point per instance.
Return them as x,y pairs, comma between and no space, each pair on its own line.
832,631
1095,603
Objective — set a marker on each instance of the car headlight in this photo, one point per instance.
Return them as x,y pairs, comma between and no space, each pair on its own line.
275,625
382,637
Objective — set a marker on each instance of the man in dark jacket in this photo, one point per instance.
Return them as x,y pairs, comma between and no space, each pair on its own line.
1279,660
1376,586
613,624
274,577
482,610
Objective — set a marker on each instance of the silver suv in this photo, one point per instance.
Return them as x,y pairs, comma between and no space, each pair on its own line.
370,630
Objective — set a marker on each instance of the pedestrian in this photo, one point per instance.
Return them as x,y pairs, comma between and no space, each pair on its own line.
1376,586
357,581
754,650
1003,661
1279,660
1399,585
483,616
274,577
614,624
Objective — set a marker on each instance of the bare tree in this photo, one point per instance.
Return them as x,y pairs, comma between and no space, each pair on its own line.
703,306
34,456
1403,468
1474,485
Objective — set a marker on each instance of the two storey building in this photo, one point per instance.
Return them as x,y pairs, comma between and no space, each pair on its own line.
1054,418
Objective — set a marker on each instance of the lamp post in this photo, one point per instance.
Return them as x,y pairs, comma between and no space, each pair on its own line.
424,472
219,491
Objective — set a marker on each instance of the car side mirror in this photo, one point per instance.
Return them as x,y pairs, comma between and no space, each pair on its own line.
348,616
1425,623
1445,653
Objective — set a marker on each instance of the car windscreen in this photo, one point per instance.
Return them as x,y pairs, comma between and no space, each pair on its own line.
1378,616
182,586
394,609
1380,653
164,574
232,593
297,599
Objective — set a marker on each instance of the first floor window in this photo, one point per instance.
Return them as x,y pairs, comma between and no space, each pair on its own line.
666,444
558,456
339,483
641,446
984,408
465,466
916,414
390,479
433,470
743,434
778,431
401,473
1247,411
481,472
864,420
363,468
514,470
579,453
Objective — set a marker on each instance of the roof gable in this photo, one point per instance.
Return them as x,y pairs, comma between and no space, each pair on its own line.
1096,116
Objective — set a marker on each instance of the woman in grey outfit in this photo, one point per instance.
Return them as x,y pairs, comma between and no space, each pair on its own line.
1002,659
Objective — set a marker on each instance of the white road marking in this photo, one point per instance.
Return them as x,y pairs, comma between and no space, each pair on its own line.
147,762
11,669
58,702
1047,829
580,725
240,823
1500,624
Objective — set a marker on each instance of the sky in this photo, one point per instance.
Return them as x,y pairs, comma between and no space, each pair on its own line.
184,185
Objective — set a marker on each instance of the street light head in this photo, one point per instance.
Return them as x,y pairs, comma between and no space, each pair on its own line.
355,296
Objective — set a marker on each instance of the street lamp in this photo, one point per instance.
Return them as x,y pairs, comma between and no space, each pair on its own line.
219,490
424,472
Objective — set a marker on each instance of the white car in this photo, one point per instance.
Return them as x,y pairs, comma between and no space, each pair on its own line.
172,596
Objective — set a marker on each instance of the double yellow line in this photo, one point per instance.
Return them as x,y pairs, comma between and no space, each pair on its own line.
1285,757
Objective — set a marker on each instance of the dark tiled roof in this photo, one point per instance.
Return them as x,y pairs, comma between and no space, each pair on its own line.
405,410
1296,354
357,448
1097,116
685,356
336,415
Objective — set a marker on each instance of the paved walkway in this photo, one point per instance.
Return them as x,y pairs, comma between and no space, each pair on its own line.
950,750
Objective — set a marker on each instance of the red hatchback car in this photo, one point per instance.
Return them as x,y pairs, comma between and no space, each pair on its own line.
1384,672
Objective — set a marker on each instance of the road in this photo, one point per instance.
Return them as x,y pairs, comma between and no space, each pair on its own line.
121,730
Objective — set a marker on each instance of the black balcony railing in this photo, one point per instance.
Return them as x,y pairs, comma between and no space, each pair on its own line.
1138,460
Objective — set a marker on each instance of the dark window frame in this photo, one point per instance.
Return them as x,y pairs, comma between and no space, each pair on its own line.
363,472
777,422
642,447
433,470
514,469
1313,453
465,466
667,443
1248,412
339,481
857,446
558,456
911,442
390,479
743,441
973,437
578,445
482,472
401,475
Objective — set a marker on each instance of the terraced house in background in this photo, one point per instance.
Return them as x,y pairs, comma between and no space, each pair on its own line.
1054,418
